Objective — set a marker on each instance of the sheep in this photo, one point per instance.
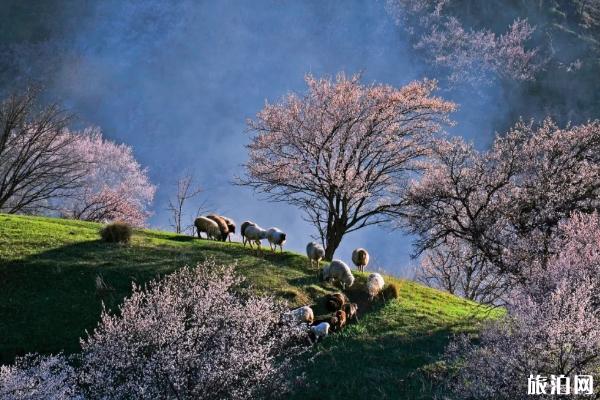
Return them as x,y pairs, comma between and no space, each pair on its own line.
339,271
222,225
320,331
276,237
340,320
360,258
375,285
351,310
335,301
245,224
254,233
315,253
230,225
303,314
208,226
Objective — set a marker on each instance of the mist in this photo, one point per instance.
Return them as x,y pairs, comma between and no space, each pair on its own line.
177,81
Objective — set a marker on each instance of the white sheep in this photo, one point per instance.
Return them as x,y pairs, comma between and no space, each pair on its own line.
245,224
303,314
375,285
339,271
208,226
276,237
254,233
360,258
315,253
320,331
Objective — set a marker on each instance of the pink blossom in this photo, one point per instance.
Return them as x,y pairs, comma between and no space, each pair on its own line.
115,186
553,325
471,55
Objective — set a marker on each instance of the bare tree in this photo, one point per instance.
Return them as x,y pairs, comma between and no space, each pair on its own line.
458,268
36,158
342,152
186,190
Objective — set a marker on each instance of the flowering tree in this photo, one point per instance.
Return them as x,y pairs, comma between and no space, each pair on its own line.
195,334
341,152
553,326
36,161
115,187
191,335
506,203
470,54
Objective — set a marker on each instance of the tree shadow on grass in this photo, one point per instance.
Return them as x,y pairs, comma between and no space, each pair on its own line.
49,300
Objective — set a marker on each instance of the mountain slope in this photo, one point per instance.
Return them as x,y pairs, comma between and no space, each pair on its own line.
49,297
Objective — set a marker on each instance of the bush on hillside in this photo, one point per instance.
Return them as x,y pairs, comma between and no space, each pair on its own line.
117,232
391,291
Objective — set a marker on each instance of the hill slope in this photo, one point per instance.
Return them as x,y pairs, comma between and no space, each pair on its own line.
48,298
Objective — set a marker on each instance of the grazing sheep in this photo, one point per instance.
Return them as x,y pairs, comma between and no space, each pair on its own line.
335,301
276,237
303,314
339,271
315,253
360,258
320,331
375,285
254,233
340,320
230,225
245,224
222,226
208,226
351,310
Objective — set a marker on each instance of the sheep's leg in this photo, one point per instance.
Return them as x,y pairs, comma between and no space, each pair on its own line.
258,248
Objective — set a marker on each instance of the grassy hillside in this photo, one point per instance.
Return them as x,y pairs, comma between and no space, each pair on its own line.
48,298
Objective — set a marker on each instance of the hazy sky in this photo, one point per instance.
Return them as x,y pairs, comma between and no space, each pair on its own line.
178,81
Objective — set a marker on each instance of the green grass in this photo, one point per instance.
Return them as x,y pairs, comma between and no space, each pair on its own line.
48,299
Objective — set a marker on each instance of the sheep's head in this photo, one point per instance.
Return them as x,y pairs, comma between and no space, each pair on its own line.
283,236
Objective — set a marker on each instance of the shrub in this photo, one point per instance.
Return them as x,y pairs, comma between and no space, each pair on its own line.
116,232
194,334
391,291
